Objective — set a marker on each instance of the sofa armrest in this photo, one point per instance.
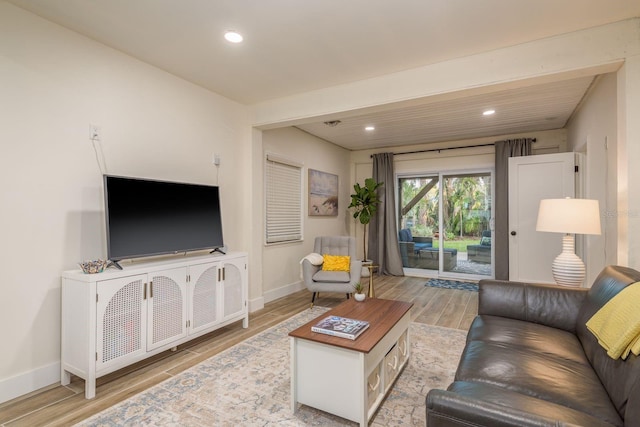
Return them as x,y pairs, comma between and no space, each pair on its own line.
355,271
549,305
449,409
308,270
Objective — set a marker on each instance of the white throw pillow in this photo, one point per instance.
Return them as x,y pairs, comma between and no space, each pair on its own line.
314,258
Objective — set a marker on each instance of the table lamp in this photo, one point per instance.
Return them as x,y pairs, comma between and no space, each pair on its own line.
569,216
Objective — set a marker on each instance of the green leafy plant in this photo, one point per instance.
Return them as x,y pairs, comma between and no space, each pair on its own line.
365,202
358,288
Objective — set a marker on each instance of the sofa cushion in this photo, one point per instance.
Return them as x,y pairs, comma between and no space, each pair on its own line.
332,276
435,252
530,407
532,336
548,377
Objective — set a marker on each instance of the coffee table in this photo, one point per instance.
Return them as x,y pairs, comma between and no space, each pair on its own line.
350,378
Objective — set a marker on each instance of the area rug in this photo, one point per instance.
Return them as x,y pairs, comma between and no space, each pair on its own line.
248,384
452,284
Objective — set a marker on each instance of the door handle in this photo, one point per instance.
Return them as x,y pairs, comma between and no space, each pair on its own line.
513,233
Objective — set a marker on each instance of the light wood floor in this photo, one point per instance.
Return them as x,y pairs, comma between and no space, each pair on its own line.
63,406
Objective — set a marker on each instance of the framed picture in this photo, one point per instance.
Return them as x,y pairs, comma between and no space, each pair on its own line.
323,193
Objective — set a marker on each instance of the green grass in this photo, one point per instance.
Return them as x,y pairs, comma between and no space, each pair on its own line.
460,245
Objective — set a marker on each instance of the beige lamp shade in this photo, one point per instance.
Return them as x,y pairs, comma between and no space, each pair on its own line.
570,216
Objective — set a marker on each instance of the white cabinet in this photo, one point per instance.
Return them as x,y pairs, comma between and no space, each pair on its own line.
113,319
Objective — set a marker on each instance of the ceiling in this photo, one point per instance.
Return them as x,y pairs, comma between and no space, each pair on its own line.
293,47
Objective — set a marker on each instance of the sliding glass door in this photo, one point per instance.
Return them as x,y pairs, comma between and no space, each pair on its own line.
445,224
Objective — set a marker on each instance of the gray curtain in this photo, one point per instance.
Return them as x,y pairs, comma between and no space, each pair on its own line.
383,234
504,150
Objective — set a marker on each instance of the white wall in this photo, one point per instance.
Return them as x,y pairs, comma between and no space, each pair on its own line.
280,263
593,131
53,84
628,150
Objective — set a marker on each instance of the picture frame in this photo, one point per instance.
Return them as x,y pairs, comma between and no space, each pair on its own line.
323,193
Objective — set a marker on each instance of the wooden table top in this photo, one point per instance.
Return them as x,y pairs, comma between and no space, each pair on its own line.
381,314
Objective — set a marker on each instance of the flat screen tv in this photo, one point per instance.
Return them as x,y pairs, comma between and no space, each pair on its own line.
148,217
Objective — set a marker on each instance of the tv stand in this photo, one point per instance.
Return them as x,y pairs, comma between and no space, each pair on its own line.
115,264
119,317
218,250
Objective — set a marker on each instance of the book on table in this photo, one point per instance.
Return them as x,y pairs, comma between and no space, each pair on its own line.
341,327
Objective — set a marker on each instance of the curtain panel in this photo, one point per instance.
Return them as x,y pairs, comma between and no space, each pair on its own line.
504,150
383,233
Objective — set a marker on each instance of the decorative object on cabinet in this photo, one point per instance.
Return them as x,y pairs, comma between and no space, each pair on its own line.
93,266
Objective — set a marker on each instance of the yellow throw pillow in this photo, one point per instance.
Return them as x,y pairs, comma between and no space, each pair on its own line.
336,262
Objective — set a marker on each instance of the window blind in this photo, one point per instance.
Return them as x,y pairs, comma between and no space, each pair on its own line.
283,197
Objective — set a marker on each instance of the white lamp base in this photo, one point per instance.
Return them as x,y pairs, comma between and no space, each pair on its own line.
568,268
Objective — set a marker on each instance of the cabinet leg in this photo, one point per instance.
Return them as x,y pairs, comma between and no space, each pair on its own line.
90,387
245,322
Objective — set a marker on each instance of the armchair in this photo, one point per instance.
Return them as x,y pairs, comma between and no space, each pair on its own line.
415,243
482,251
318,280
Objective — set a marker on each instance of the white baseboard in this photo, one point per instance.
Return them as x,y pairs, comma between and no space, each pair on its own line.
256,304
22,384
283,291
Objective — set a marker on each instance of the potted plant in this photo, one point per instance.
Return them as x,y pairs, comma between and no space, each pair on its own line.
365,201
359,291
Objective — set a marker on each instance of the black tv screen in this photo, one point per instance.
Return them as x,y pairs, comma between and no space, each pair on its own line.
147,217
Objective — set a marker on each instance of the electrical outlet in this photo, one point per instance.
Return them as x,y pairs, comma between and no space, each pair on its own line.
216,160
94,133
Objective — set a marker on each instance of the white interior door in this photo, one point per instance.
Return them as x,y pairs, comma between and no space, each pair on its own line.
531,179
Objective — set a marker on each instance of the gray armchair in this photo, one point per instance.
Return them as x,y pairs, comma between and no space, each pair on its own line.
318,280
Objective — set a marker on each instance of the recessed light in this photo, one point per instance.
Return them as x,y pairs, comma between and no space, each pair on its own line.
233,37
488,112
369,128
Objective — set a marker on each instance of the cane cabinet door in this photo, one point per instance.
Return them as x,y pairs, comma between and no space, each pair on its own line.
121,320
204,309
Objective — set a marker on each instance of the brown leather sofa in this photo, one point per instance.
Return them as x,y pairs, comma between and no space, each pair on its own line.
530,361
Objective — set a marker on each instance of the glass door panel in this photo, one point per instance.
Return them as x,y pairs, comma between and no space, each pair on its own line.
466,224
419,221
445,223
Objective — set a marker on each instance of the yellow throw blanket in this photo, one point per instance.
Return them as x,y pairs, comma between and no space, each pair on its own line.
617,324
